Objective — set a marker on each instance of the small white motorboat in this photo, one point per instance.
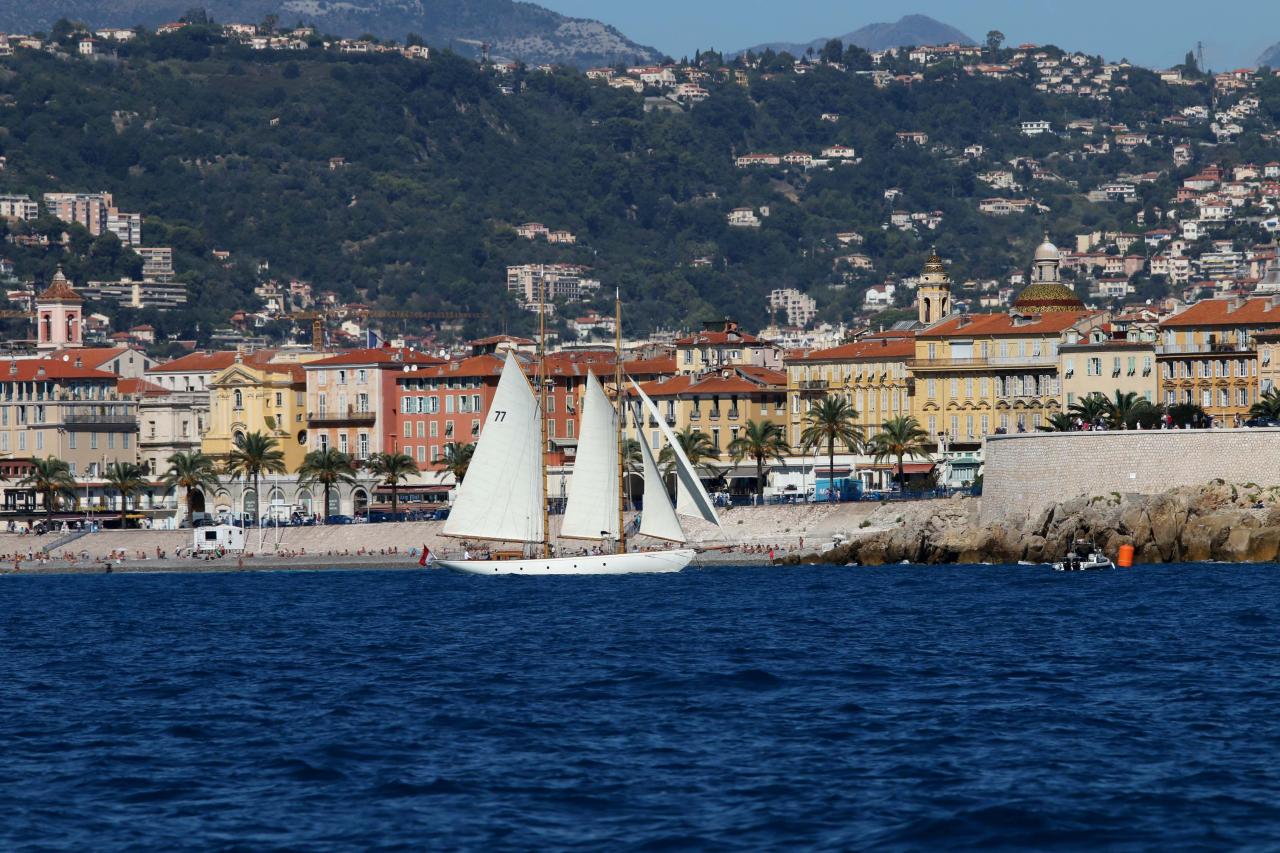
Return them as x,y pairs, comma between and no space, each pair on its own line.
1084,557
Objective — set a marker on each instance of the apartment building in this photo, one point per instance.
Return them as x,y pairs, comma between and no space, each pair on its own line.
723,343
88,209
535,284
872,375
14,207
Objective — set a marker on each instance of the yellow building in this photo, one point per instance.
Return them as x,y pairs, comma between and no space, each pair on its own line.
1095,364
1208,355
267,397
871,374
722,344
982,374
718,403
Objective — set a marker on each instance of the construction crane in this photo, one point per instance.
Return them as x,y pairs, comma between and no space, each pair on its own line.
483,45
319,318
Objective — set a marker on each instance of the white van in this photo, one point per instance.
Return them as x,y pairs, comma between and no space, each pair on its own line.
218,537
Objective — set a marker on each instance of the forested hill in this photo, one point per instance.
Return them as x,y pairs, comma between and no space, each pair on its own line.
226,148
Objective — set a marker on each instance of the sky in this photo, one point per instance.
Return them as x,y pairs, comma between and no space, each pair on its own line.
1155,33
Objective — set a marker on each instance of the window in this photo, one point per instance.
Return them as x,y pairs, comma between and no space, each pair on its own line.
968,387
342,442
324,441
408,429
422,429
71,440
568,430
986,424
342,377
435,453
364,445
239,400
969,425
39,441
362,402
322,403
435,429
933,351
933,425
124,441
93,441
422,453
362,376
22,440
279,399
111,441
933,389
955,425
448,404
954,388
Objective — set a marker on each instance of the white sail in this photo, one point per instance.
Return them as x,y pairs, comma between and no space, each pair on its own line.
686,476
501,496
591,511
659,518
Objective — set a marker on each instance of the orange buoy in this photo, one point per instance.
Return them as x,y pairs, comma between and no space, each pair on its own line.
1125,558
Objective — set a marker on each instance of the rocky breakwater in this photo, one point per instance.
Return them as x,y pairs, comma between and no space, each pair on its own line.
1216,521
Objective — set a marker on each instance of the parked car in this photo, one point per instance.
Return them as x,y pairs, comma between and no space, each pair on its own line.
339,519
1261,422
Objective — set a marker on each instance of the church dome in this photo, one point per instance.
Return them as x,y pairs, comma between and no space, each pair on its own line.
59,290
1046,297
934,265
1046,251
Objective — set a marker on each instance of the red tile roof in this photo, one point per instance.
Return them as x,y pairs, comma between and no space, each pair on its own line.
212,362
871,349
94,356
719,338
970,325
29,369
663,366
140,387
389,356
1227,312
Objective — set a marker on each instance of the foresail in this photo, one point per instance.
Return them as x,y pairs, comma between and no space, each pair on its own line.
501,496
658,518
702,507
591,511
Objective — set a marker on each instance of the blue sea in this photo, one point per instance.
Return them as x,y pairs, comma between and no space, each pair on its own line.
903,707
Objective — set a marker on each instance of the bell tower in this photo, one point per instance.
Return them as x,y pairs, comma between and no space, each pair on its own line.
933,296
58,315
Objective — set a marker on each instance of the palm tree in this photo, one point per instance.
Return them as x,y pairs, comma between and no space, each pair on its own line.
327,468
255,454
698,449
831,419
1124,409
1058,422
190,471
898,438
126,478
50,477
1089,408
393,469
1268,406
456,460
761,440
632,462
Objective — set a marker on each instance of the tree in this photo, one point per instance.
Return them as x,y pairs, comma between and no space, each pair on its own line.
456,460
125,478
698,449
255,454
1268,406
831,419
1090,408
995,38
1123,410
899,438
327,468
50,477
1058,422
392,469
1187,415
190,471
760,440
833,51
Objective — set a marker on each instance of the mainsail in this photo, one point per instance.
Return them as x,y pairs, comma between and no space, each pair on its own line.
686,477
502,494
592,509
659,518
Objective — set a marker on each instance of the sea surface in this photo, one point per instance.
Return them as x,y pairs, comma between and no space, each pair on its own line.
903,707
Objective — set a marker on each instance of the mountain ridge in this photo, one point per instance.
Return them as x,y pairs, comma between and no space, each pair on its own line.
514,30
907,30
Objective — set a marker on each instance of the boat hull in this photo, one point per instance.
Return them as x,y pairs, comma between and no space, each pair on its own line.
640,562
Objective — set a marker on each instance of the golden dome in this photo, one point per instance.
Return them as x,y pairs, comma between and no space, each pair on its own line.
1045,297
934,266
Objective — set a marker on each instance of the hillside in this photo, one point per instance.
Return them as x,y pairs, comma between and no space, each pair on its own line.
228,149
515,30
1270,57
907,30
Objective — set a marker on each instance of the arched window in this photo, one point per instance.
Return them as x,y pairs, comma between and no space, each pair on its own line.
239,399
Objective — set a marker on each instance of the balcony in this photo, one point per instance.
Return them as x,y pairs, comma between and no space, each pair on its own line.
695,415
350,416
100,423
733,414
671,420
1016,362
814,385
715,415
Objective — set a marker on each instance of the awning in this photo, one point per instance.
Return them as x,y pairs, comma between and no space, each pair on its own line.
909,467
826,471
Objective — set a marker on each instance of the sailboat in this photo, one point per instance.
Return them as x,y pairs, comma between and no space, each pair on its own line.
503,497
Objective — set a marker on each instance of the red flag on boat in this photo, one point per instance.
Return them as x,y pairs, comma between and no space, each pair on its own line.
426,555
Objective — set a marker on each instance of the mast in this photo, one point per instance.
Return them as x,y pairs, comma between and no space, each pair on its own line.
622,420
542,418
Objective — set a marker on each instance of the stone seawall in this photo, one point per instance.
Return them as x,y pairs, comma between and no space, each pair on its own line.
1024,474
